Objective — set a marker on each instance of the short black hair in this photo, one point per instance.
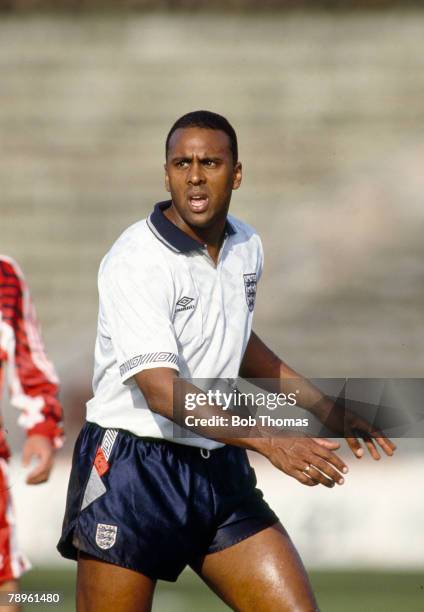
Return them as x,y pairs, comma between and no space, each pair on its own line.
208,120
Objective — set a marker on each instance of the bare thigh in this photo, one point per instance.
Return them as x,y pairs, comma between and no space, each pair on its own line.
263,573
110,588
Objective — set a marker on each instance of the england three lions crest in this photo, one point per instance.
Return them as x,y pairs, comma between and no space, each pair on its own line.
250,289
106,535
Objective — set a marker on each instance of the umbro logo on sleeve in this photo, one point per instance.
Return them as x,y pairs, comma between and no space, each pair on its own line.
184,303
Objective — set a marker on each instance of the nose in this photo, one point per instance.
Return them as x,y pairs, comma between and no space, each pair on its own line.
195,174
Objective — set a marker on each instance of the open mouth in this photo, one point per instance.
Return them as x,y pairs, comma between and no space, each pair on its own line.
198,203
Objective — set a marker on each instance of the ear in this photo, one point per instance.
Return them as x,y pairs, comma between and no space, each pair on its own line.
167,187
237,175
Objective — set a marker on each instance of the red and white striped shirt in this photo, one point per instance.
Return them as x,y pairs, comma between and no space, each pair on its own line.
32,380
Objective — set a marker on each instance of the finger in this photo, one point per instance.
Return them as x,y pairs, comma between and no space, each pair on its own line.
329,457
319,477
41,471
385,443
37,477
355,446
330,444
372,449
382,440
304,479
328,470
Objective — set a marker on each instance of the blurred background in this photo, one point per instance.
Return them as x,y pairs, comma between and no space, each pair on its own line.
327,98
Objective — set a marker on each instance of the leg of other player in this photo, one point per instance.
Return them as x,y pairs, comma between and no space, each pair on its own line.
110,588
10,586
263,573
12,562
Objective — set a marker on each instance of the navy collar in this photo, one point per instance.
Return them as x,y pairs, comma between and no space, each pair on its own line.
173,236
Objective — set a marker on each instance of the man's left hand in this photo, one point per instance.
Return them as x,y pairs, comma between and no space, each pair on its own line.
42,449
358,429
355,430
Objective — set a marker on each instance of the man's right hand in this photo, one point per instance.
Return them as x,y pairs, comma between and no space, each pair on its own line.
311,461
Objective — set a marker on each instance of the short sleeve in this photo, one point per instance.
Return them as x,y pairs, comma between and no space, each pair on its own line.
260,260
135,313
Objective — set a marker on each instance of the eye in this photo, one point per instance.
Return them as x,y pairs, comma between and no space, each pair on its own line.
182,163
209,163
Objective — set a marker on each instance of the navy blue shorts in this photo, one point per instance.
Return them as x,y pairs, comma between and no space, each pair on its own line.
154,506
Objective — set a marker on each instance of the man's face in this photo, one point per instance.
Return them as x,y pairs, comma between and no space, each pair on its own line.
200,175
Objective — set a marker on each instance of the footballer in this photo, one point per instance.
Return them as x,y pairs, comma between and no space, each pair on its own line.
33,391
176,300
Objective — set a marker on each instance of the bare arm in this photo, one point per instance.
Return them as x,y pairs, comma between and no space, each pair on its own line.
260,362
33,384
290,455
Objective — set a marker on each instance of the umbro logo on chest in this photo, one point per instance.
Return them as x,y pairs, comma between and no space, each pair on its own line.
184,303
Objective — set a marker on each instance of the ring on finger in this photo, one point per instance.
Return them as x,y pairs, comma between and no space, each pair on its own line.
306,470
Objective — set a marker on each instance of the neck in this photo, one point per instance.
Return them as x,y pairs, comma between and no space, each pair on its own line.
212,237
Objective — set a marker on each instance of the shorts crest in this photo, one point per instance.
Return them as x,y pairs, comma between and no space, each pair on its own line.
106,535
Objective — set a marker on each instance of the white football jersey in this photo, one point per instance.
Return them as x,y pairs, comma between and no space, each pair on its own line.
164,303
